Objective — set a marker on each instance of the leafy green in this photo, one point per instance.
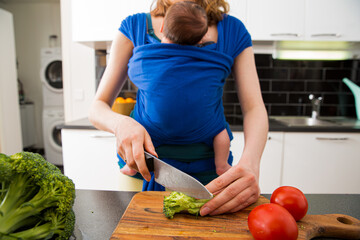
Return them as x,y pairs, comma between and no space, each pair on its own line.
36,199
179,202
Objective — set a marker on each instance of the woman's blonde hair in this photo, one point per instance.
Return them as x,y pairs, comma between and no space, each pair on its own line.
214,8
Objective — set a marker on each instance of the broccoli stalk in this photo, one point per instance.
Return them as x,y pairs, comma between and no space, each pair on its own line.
55,224
179,202
36,199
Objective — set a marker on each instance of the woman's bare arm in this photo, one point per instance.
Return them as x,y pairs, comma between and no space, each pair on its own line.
131,137
239,186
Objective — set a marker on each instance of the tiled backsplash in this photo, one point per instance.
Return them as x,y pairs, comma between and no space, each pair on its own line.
287,84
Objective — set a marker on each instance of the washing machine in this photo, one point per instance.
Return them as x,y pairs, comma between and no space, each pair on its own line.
53,117
51,77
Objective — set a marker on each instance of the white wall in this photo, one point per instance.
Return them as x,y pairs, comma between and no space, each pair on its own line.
35,21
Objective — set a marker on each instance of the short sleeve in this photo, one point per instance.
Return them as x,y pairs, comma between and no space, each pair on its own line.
134,28
236,38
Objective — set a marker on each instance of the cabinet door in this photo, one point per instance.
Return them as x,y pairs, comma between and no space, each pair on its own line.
238,8
90,161
99,20
333,20
28,129
322,162
276,19
271,161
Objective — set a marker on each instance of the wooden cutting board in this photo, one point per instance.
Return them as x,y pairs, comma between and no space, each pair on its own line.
144,219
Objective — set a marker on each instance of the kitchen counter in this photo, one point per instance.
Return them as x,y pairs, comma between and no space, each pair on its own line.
98,212
89,158
236,125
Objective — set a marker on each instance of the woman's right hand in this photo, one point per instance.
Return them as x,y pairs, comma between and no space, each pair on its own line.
131,137
131,140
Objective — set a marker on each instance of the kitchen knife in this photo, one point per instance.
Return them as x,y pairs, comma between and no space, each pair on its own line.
174,179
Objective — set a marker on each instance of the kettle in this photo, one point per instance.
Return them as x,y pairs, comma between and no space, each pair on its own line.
355,89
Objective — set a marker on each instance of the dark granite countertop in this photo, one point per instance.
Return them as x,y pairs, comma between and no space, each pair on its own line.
236,125
98,212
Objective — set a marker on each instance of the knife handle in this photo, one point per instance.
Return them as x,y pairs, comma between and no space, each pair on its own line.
149,159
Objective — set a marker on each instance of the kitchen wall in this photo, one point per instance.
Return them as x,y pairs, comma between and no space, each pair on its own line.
286,85
34,22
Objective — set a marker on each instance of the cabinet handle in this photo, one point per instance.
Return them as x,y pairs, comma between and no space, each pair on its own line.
102,136
326,35
285,35
332,139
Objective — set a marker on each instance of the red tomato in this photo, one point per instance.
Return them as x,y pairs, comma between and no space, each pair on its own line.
270,221
292,199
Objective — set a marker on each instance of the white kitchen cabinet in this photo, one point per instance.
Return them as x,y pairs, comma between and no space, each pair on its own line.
271,161
276,19
95,20
90,161
298,20
238,9
332,20
101,19
322,162
309,20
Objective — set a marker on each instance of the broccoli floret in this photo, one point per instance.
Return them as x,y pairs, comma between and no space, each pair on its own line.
179,202
36,199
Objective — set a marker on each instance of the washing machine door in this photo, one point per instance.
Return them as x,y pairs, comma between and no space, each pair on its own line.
53,76
55,136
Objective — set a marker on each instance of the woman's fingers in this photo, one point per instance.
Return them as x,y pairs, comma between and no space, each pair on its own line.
129,156
148,145
132,138
221,182
240,201
139,157
237,188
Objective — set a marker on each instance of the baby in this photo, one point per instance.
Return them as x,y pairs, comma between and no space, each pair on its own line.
186,23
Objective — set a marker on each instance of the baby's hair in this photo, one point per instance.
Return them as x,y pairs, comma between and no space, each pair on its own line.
185,23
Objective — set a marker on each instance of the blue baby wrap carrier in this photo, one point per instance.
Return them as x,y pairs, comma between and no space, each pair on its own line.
180,89
179,101
203,84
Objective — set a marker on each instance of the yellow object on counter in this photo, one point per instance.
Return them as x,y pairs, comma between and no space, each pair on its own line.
123,105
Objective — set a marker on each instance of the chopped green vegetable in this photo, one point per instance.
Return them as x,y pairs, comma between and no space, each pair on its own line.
179,202
36,199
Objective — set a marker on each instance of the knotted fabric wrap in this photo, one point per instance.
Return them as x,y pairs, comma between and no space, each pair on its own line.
179,100
180,89
201,169
232,39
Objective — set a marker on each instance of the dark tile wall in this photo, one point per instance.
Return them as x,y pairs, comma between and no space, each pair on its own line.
286,85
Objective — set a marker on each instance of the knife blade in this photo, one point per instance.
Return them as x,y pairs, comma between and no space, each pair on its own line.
174,179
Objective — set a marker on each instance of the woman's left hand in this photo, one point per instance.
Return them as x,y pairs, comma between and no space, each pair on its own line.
235,189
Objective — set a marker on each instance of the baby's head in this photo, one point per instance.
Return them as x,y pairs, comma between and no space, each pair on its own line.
185,23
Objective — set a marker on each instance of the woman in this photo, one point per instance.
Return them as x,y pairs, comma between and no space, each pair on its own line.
236,188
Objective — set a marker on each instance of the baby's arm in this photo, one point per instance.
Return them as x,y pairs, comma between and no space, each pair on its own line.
222,149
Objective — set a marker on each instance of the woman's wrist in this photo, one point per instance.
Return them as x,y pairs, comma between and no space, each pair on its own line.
118,122
250,163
